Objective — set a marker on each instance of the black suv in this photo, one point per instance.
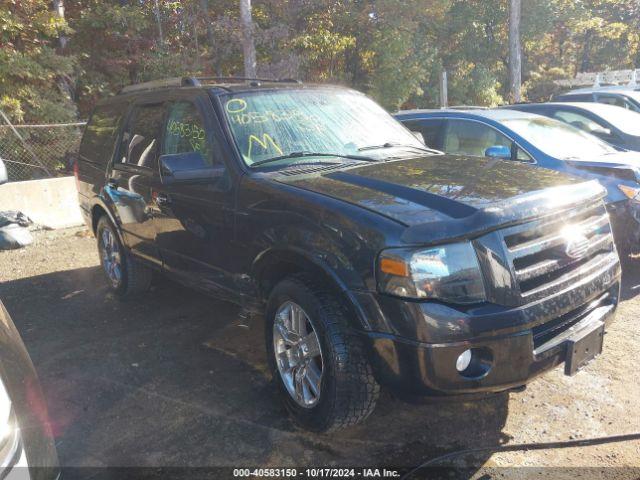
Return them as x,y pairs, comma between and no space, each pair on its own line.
373,259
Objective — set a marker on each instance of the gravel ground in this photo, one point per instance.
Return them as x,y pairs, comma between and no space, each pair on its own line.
177,379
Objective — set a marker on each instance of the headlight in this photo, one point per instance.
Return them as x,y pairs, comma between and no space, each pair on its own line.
450,273
630,192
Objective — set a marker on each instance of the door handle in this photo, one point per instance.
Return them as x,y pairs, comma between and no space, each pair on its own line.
162,199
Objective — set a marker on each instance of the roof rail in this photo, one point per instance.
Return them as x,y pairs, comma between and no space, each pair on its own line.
163,83
196,82
246,79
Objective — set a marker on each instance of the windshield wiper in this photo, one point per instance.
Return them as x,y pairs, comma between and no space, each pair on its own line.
359,158
396,145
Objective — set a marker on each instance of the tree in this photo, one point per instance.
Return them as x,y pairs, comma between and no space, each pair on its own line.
515,50
248,46
30,66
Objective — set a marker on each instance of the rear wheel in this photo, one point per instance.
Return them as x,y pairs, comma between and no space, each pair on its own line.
319,365
126,276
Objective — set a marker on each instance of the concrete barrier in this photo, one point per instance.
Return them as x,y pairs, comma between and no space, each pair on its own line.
50,202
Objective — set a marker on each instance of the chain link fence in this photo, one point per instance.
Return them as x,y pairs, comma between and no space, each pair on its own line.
39,151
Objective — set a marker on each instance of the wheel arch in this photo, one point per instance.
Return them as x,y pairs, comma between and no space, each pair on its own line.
275,265
99,210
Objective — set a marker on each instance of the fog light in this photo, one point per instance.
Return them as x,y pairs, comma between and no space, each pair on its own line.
463,361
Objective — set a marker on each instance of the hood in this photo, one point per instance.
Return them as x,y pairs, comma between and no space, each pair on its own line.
452,190
623,165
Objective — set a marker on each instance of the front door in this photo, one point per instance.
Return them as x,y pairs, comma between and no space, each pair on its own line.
194,226
135,175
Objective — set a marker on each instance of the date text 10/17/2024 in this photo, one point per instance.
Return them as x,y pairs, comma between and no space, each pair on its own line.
316,473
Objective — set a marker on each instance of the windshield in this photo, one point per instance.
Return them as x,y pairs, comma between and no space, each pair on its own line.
626,120
634,94
270,124
558,139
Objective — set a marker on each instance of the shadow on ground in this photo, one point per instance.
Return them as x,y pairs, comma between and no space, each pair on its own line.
176,378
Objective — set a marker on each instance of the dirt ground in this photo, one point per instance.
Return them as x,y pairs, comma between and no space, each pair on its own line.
179,379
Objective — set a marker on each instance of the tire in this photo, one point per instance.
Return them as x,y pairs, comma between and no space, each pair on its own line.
132,277
348,391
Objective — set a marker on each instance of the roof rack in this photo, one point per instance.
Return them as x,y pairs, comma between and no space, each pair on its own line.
467,107
197,82
245,79
595,80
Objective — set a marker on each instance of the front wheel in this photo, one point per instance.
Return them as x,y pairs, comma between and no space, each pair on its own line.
319,364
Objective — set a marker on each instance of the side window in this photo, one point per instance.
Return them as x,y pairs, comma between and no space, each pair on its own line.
431,130
185,132
614,100
578,120
139,144
576,98
522,156
98,141
472,138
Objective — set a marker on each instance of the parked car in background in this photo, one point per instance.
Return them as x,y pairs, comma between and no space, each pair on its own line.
619,96
616,126
27,449
371,258
528,138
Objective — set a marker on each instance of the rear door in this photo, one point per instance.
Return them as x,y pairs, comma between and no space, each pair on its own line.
97,148
135,176
194,223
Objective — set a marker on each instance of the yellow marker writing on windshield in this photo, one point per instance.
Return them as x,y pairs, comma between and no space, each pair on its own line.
236,105
265,143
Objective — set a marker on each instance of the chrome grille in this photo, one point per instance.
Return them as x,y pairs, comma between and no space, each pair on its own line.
547,253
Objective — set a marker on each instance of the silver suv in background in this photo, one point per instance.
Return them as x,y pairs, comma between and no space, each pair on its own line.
621,96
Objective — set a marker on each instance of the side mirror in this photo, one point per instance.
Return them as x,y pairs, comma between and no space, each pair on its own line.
420,137
4,176
498,151
187,167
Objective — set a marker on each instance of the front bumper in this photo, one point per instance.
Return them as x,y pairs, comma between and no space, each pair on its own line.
522,342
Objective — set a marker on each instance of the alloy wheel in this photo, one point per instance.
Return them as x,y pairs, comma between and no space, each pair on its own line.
111,258
298,354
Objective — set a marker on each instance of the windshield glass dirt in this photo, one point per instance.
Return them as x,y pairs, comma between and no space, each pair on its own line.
268,124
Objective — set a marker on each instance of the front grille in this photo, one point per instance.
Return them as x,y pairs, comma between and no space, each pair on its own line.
546,253
548,331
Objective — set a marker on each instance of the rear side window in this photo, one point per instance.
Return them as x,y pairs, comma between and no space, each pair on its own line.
431,131
100,135
575,98
140,140
618,101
